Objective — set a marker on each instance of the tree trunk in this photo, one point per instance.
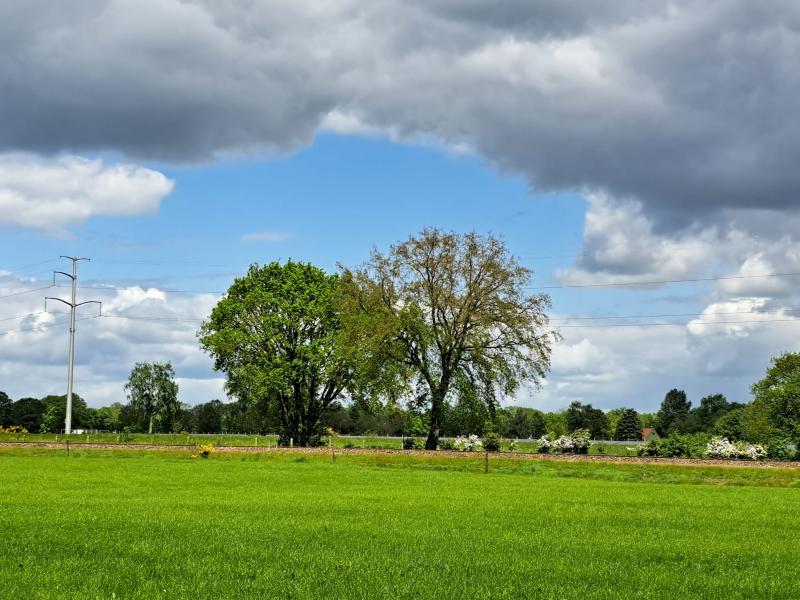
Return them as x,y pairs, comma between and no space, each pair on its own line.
437,404
150,431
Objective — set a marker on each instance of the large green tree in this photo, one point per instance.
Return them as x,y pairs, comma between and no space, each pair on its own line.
584,416
152,391
275,335
450,312
55,413
5,409
710,410
27,412
629,428
779,392
674,413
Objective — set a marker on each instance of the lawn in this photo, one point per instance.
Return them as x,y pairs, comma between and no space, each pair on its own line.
136,524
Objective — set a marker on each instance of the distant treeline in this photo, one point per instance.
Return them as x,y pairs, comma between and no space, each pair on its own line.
713,415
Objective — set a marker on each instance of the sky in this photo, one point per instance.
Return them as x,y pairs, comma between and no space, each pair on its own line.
641,157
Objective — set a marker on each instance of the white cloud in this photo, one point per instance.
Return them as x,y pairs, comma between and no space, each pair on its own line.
33,348
268,235
54,194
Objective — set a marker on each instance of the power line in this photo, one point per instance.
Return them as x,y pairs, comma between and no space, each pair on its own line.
661,282
143,318
33,314
664,316
36,328
35,264
111,287
605,325
21,292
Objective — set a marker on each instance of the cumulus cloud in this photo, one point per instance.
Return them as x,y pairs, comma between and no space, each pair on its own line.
138,325
53,194
686,107
724,349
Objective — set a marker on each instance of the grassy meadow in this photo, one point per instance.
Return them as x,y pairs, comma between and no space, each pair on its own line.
146,525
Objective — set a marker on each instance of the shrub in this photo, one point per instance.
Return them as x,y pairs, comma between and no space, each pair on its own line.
446,445
581,441
723,448
576,443
545,443
205,450
512,446
677,446
410,443
778,449
468,444
491,442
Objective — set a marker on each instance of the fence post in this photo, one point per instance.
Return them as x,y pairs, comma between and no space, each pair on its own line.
486,461
333,450
67,446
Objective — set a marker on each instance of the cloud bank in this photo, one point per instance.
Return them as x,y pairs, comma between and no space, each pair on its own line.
684,106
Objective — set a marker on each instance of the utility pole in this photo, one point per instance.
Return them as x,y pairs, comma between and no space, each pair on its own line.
73,305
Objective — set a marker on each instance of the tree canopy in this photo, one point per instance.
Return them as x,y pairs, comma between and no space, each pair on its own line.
674,412
451,313
628,427
152,390
779,391
275,335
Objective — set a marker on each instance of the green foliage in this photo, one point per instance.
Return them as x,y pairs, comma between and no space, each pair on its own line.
152,390
710,410
583,416
451,313
51,421
523,423
413,443
276,335
779,391
677,445
628,426
673,414
446,444
491,442
5,409
27,413
779,449
731,425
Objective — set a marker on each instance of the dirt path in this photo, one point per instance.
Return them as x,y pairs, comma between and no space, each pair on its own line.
639,460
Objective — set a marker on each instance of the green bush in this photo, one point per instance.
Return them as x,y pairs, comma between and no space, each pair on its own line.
677,446
491,442
778,449
413,443
446,445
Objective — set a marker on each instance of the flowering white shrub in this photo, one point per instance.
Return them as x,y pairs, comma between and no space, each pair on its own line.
723,448
565,444
468,444
578,442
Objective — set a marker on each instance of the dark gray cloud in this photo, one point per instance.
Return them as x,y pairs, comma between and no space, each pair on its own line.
686,106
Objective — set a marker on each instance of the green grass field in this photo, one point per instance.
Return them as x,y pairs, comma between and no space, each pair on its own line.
133,524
